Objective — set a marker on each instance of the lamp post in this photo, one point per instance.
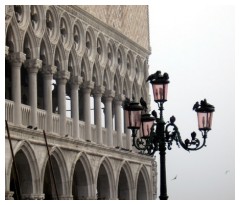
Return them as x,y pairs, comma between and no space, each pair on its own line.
155,134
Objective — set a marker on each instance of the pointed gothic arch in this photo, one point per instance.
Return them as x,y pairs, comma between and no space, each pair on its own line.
97,75
143,184
135,90
81,184
28,172
85,68
13,38
60,173
60,59
117,83
107,79
105,180
125,182
45,53
73,62
30,47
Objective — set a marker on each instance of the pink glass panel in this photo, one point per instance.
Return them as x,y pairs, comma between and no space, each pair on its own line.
146,128
204,120
133,119
160,91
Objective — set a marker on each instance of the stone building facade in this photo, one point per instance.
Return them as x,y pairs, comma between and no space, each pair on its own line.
67,71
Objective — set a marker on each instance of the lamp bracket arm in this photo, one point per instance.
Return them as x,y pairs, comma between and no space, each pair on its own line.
172,134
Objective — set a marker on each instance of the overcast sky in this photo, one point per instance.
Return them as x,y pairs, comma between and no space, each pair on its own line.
195,45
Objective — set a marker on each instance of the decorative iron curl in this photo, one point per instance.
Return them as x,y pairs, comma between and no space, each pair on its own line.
145,145
174,135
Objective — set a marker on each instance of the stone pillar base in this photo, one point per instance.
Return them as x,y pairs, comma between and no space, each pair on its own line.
9,195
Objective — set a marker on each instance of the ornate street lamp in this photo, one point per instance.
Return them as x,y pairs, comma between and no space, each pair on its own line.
155,134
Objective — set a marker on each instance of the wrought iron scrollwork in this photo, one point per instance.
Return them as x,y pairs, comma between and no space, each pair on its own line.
147,145
172,134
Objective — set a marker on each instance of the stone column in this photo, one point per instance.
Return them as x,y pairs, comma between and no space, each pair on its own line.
62,77
108,97
118,118
87,87
48,72
75,82
16,60
33,66
97,94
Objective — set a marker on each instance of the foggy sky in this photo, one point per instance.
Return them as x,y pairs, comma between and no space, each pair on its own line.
195,45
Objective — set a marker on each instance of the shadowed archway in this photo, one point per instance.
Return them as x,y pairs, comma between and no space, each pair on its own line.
24,176
80,183
48,186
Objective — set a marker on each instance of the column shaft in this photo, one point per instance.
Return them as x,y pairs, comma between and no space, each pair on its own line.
16,60
98,117
32,66
128,134
108,120
75,82
47,79
33,97
16,92
87,114
62,77
62,106
118,122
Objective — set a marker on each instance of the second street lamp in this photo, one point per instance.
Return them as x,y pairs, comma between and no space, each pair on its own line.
159,136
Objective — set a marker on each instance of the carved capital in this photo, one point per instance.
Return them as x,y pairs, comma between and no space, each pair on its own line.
76,80
119,98
49,70
62,76
33,65
109,94
17,58
88,85
98,90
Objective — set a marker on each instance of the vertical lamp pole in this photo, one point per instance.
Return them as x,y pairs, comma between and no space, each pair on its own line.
155,134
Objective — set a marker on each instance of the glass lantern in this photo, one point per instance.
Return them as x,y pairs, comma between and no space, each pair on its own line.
160,86
205,114
133,115
160,92
146,125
